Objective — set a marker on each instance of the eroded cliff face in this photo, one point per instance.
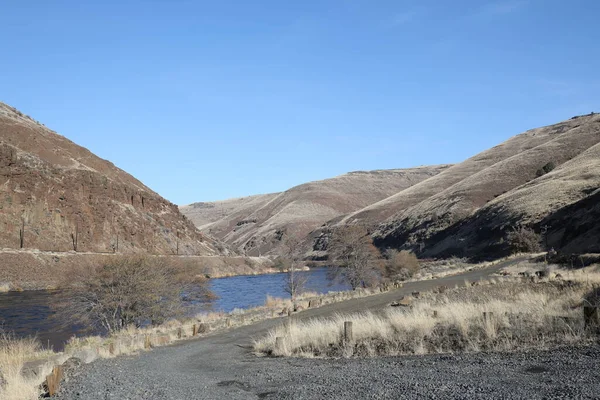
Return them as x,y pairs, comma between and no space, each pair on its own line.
58,196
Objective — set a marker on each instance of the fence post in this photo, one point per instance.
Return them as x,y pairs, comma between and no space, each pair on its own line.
348,337
179,333
195,330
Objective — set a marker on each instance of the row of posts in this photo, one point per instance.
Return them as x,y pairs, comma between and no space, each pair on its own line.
591,319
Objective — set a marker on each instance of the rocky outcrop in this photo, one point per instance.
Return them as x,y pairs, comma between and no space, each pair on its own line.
58,196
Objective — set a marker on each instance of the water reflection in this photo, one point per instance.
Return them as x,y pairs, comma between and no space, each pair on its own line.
30,313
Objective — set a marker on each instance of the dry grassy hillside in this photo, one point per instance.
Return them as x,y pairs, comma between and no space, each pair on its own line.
58,196
203,214
444,182
471,216
255,225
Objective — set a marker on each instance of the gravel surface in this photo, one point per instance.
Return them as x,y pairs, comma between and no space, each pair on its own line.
222,366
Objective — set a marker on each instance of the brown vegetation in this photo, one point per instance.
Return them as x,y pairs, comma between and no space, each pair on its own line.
290,262
356,260
254,225
523,240
401,265
128,291
503,314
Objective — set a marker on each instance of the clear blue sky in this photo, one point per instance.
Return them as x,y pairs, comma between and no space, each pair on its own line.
205,100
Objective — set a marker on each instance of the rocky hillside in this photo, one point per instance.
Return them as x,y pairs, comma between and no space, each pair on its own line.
255,225
547,178
58,196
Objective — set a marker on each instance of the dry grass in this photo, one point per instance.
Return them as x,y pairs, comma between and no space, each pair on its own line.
524,315
14,353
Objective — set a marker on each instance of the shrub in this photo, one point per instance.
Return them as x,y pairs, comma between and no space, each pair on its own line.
401,265
128,291
356,259
523,240
545,169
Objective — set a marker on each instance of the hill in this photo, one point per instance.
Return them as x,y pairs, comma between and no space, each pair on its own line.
478,200
58,196
255,225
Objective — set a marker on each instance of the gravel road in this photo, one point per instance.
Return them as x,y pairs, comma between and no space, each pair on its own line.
222,366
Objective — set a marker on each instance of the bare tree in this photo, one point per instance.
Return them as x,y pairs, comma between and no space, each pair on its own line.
290,261
121,291
524,240
356,260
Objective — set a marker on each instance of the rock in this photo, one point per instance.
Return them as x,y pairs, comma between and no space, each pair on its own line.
541,273
86,355
416,295
405,301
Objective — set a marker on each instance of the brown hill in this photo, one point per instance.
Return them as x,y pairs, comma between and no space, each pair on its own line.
255,224
58,196
478,200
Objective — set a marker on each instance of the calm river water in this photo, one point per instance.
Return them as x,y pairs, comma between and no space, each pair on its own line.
29,313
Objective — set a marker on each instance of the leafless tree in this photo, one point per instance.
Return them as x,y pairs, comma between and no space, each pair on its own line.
524,240
120,291
290,261
356,260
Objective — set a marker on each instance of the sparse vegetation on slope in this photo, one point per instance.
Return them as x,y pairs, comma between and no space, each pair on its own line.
467,209
254,225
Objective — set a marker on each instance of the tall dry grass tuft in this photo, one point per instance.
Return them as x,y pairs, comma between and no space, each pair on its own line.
14,353
517,316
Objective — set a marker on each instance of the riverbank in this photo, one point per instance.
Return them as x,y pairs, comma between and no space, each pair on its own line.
540,310
21,376
221,366
135,341
42,270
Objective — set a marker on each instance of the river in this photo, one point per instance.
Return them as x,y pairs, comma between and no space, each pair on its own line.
29,313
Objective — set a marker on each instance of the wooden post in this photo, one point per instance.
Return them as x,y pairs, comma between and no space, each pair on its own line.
179,333
279,344
147,343
22,234
435,314
348,337
111,349
590,316
53,380
195,330
228,322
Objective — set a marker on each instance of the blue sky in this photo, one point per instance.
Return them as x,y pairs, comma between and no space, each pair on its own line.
211,100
